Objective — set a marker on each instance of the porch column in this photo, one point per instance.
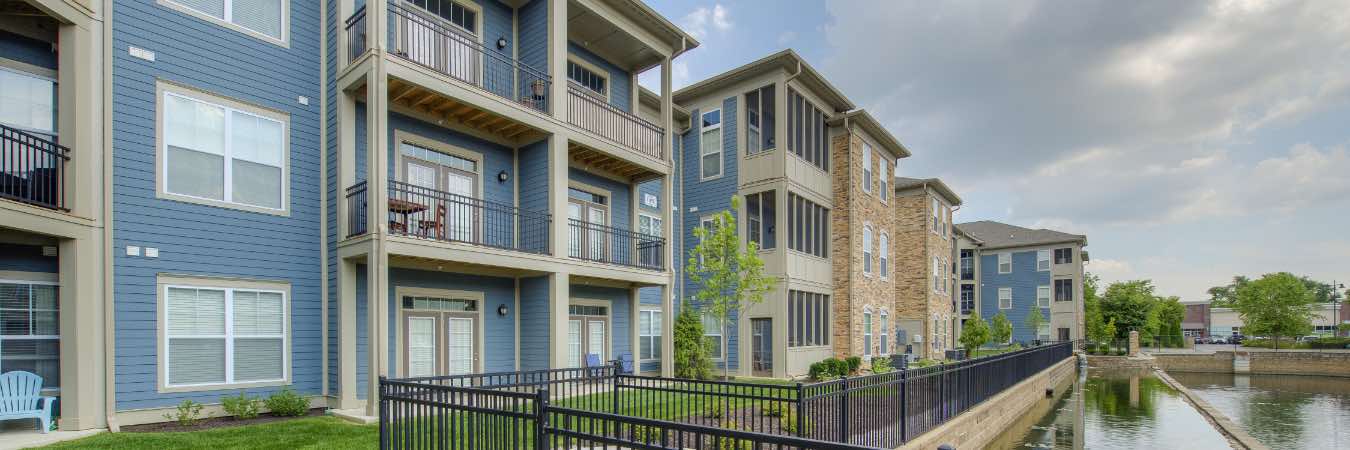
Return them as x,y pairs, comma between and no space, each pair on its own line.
667,331
557,191
559,295
557,57
84,364
346,398
377,275
377,323
634,305
669,218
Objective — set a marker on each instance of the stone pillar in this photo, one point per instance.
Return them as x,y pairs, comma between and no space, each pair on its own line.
1134,343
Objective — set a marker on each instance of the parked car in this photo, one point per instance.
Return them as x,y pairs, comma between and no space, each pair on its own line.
1235,339
1309,338
1218,340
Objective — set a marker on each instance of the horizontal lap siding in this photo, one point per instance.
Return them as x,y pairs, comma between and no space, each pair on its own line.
709,196
203,240
498,331
534,326
532,44
1023,280
620,81
621,203
26,258
335,194
496,157
620,311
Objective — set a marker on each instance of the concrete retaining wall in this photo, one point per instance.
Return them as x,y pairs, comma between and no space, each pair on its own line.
1334,364
980,425
1219,362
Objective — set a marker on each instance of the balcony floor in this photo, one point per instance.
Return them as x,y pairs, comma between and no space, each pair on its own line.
453,111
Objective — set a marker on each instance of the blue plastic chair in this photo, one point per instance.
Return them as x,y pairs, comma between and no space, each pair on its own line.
626,363
592,360
21,398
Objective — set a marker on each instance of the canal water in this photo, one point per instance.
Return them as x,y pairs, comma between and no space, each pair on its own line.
1113,410
1281,411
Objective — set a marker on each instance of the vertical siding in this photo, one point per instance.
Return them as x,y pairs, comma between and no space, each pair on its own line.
620,81
498,332
26,258
24,49
534,340
1023,280
203,240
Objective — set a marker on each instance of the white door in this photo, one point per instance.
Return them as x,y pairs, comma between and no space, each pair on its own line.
459,209
574,239
595,342
574,342
422,175
460,345
421,346
597,237
437,43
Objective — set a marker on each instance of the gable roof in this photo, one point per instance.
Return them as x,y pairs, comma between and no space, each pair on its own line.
905,183
784,60
864,120
997,235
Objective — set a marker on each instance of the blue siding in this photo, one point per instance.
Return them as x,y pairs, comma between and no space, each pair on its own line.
498,75
27,50
498,331
620,312
26,258
708,196
332,188
496,157
203,240
533,163
1023,280
534,340
620,206
620,81
532,20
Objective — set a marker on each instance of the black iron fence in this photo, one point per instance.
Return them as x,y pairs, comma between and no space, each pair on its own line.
600,407
356,34
32,169
438,44
356,209
434,214
593,113
606,244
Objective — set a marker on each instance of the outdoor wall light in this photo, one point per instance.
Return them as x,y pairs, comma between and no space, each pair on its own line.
503,176
501,310
501,43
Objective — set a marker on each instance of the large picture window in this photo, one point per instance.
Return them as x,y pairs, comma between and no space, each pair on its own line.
29,330
759,115
710,144
712,332
807,131
808,319
216,152
649,335
588,78
28,102
808,227
761,211
265,17
220,336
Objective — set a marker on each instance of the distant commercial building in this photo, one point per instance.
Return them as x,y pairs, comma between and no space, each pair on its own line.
1204,320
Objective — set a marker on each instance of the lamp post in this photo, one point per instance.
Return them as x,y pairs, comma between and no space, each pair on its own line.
1336,308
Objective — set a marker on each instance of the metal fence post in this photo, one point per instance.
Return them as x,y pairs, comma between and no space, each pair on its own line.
904,404
384,415
541,419
843,410
801,413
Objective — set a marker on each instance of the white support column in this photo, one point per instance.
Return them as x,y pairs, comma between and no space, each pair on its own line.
346,396
557,57
667,332
634,305
377,278
668,218
559,296
81,326
667,108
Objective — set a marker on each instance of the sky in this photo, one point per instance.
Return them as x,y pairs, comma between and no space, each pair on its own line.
1190,141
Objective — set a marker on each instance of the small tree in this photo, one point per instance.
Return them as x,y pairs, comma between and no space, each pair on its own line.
1277,304
974,334
731,276
1035,318
1109,330
1000,329
692,358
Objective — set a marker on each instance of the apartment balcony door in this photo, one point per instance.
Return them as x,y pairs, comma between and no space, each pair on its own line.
446,192
440,34
589,216
440,336
761,356
587,333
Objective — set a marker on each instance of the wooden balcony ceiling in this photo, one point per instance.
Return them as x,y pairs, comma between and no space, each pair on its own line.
433,103
444,265
593,159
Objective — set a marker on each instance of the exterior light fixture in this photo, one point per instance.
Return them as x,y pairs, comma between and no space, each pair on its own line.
503,176
501,310
501,43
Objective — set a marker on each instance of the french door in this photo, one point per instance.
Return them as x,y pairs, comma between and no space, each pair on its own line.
587,335
440,44
447,196
439,344
588,238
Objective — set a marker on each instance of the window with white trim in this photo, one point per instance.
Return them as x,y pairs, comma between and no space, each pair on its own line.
649,224
595,82
649,335
1043,296
1042,260
221,154
27,102
885,250
945,219
867,249
884,336
867,331
936,210
710,144
759,115
224,336
1005,262
30,335
1005,298
884,170
937,274
761,218
867,167
265,17
712,332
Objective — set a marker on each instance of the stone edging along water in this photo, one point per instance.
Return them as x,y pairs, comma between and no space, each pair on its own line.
1234,432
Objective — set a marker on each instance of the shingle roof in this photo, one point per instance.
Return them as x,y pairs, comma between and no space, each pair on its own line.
1001,235
905,183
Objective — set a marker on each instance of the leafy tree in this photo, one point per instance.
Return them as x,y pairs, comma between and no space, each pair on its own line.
692,353
1109,330
974,334
1092,309
1170,313
1276,305
1035,318
1223,296
732,277
1000,329
1128,304
1322,292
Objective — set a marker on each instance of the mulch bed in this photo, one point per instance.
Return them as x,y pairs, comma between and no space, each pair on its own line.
215,422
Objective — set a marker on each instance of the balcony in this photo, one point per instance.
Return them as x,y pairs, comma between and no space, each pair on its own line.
593,114
436,44
356,34
609,245
443,216
32,169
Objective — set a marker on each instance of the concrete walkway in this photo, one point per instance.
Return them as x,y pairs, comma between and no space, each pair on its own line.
12,437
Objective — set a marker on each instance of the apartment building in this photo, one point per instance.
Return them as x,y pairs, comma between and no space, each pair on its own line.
925,242
220,196
1010,269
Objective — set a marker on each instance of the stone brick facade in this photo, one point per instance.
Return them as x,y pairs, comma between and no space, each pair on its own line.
915,244
855,291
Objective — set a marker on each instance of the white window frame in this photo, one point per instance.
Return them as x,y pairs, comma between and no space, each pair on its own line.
884,248
594,70
946,212
936,211
1005,294
38,337
884,172
867,167
721,149
867,331
867,249
1005,258
1043,296
652,333
655,226
937,274
884,335
715,331
229,287
1043,260
227,20
230,107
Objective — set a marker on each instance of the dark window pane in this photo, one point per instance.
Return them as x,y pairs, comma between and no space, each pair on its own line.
769,217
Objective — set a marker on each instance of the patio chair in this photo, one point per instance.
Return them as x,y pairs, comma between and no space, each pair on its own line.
21,398
626,363
435,227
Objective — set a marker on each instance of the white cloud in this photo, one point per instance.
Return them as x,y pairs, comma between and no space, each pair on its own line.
703,19
1111,269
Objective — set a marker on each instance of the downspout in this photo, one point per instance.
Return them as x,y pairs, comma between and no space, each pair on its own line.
109,324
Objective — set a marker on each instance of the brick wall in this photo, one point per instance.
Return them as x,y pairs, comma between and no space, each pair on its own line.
914,246
855,291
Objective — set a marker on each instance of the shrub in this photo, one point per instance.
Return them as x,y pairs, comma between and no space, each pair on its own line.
774,409
732,443
881,365
692,350
1330,342
789,423
287,403
714,411
854,363
241,406
829,368
840,367
186,414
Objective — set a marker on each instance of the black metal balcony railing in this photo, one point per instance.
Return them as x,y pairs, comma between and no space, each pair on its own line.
32,169
600,243
438,45
432,214
594,114
356,34
356,209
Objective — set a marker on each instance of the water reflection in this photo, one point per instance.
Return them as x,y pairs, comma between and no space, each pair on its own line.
1281,411
1113,410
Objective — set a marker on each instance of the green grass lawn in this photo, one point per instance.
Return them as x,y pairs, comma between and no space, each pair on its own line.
309,432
